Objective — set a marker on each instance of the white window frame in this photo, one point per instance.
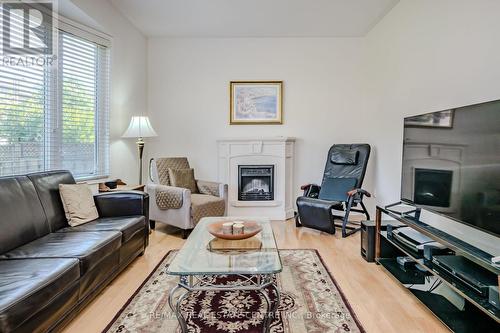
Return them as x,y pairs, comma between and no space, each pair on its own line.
53,104
102,125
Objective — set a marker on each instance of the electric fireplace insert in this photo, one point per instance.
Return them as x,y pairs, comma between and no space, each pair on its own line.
255,182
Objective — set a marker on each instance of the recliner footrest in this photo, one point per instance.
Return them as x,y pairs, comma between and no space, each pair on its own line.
316,213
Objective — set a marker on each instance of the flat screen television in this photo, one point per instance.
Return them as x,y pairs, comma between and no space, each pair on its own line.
451,164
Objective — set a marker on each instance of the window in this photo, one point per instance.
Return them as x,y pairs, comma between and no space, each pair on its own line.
56,117
83,134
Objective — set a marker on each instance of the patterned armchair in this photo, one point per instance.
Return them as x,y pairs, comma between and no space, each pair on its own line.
178,206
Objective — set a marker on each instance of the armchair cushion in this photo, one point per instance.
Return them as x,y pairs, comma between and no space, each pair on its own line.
210,188
169,197
183,178
203,205
163,164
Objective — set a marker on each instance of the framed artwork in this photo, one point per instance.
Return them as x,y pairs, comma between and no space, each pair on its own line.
441,119
255,102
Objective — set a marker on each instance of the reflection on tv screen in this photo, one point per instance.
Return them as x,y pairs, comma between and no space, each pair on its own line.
451,164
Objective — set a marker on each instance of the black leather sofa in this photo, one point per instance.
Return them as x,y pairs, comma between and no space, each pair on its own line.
48,270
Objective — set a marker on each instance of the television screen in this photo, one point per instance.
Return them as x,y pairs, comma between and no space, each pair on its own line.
451,164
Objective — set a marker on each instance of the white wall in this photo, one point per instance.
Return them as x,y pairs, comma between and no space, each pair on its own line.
189,96
424,56
128,82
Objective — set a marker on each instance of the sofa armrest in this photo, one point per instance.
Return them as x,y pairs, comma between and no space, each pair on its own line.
122,203
169,197
212,188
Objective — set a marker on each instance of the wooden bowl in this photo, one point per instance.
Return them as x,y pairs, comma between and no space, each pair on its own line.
251,228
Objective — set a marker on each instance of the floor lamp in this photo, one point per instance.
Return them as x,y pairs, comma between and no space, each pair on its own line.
139,128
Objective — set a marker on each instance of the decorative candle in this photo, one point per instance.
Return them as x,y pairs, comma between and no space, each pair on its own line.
227,228
238,228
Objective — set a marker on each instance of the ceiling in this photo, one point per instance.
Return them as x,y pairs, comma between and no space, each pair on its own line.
255,18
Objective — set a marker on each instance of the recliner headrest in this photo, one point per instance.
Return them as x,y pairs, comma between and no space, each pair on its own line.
344,157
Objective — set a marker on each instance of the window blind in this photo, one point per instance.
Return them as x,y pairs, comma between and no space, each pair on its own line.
22,120
23,101
57,117
83,127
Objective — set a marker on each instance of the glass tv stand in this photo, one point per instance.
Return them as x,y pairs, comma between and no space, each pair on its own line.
458,306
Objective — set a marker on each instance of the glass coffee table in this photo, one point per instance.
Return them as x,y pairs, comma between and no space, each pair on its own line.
198,266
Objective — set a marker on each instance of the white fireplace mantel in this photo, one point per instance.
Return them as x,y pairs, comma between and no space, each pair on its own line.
277,151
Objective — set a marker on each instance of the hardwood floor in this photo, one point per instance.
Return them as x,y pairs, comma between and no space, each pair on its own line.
380,303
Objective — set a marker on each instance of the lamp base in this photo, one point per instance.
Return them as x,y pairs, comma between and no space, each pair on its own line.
140,147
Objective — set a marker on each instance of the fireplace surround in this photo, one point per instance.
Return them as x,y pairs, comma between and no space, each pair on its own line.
246,164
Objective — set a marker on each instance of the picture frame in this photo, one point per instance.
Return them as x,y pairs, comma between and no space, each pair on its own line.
441,119
256,102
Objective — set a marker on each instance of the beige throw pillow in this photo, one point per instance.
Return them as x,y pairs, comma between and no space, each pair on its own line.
183,178
78,203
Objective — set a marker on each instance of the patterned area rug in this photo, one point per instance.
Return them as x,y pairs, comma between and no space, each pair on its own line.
311,302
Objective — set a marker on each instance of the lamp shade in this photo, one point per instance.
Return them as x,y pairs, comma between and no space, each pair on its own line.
139,127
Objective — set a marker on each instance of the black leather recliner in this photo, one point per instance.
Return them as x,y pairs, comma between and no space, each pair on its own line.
340,190
48,270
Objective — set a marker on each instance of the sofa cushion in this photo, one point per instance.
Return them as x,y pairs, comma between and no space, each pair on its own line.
78,203
22,218
203,205
28,285
89,247
127,225
47,187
